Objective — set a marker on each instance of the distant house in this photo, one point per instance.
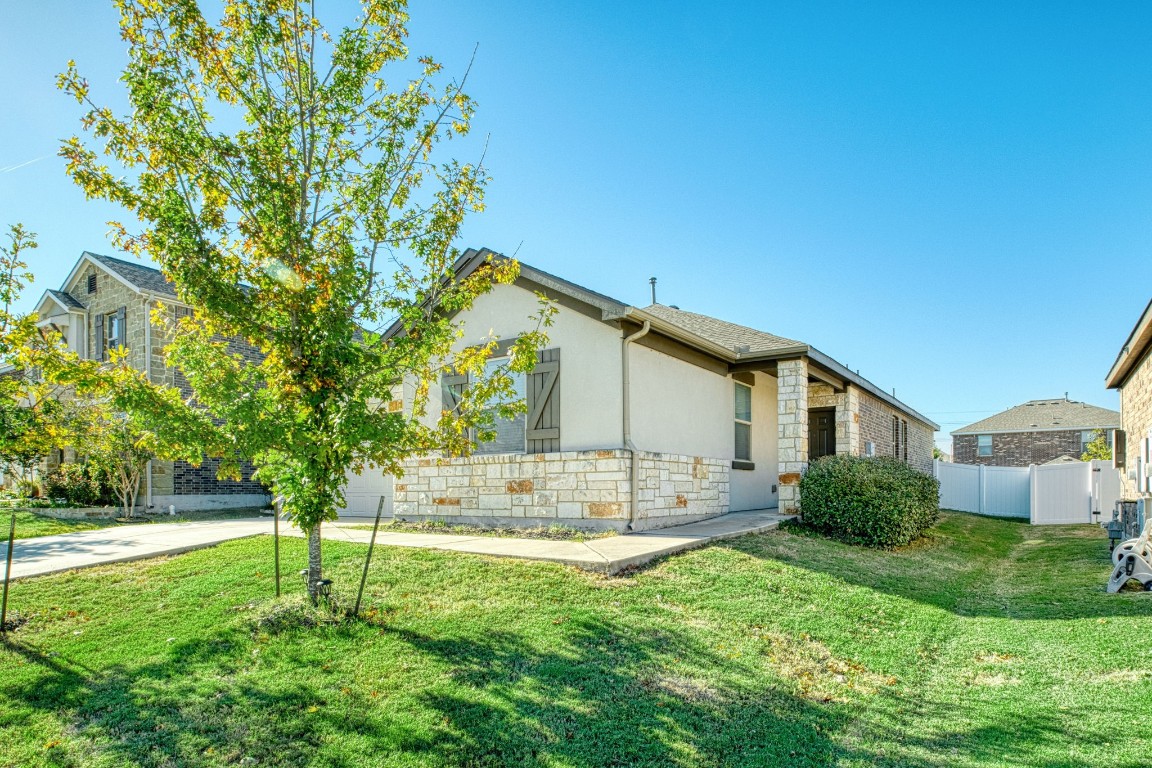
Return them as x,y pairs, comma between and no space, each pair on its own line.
644,418
106,303
1131,374
1036,432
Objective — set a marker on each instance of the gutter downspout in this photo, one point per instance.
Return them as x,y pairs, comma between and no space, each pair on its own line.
627,420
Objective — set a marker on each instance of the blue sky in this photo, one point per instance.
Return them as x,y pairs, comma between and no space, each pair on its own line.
954,198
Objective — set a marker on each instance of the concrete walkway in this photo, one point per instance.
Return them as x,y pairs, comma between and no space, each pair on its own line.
65,551
118,544
610,555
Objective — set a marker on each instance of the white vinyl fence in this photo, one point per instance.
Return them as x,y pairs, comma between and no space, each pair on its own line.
1048,494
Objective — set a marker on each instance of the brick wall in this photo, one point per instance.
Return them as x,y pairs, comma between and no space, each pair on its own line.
588,489
876,427
1019,449
1136,417
188,479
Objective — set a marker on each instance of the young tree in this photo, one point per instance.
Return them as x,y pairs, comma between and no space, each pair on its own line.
1098,449
294,199
29,415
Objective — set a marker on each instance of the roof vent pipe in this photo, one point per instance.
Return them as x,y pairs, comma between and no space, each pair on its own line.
652,281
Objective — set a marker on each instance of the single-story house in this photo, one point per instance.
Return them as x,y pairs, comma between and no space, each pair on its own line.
1035,432
1131,374
106,303
646,417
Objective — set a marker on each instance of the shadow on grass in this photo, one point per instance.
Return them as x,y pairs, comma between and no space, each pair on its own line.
599,694
970,565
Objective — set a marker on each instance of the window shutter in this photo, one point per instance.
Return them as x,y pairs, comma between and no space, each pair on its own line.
543,401
122,327
99,321
452,386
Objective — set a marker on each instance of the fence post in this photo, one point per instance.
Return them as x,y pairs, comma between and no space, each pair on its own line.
1032,486
982,504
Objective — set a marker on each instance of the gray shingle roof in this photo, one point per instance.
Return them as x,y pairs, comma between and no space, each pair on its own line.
147,279
66,299
737,338
1046,414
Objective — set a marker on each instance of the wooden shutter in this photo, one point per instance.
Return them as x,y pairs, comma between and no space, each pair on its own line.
122,327
99,321
543,401
452,386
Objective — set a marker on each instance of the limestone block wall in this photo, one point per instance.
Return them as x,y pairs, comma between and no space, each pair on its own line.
676,489
585,489
792,408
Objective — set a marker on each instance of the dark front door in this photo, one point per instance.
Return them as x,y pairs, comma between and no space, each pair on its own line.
821,433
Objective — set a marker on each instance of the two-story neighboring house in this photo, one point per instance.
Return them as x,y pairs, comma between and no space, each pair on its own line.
1131,374
107,303
1035,432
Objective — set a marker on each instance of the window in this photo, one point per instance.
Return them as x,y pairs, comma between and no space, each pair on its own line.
743,415
510,433
113,330
895,437
983,445
904,439
1089,435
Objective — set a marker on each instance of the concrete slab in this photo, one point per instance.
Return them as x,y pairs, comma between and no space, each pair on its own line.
65,551
610,555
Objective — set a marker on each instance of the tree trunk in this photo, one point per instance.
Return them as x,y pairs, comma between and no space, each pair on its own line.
315,573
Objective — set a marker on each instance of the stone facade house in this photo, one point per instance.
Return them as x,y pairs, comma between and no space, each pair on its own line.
1131,374
1036,432
643,418
106,303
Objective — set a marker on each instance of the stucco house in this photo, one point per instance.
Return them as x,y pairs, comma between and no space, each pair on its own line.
1131,374
1035,432
106,303
645,417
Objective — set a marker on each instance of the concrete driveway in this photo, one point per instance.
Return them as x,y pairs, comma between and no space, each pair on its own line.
65,551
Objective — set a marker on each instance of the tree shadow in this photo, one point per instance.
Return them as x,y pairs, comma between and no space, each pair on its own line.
595,693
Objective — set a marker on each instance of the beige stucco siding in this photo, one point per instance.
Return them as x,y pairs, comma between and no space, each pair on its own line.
590,404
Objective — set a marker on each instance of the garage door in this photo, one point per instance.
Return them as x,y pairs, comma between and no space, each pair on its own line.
362,493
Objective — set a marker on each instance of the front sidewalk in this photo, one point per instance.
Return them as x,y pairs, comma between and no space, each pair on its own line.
67,551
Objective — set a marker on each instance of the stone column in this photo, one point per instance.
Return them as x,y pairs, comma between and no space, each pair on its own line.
792,407
848,423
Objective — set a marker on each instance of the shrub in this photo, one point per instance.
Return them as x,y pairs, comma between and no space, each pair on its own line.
877,502
82,485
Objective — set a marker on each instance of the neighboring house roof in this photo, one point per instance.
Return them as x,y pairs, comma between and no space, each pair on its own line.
1135,346
725,341
66,300
1045,415
737,338
139,276
1065,459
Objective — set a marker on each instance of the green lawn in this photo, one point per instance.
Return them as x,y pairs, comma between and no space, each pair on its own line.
994,644
30,524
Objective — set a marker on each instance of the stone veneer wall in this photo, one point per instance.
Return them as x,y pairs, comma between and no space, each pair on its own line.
792,428
1019,449
1136,418
586,489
